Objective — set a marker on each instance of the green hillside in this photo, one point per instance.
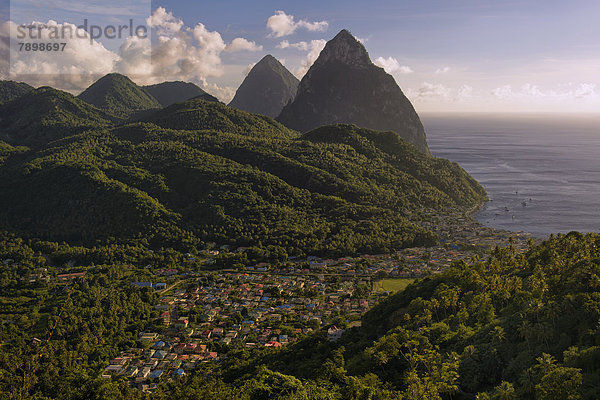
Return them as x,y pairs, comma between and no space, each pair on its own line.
10,90
46,114
168,93
6,151
119,96
199,114
182,188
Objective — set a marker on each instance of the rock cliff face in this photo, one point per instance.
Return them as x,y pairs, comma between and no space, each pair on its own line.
268,87
344,86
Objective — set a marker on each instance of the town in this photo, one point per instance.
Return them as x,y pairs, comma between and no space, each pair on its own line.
200,316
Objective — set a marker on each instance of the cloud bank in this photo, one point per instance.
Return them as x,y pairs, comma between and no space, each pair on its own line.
281,24
179,52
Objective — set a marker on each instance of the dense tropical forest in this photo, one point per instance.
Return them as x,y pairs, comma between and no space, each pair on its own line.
512,326
200,171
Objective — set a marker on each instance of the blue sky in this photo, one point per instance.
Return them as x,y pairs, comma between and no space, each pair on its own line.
452,55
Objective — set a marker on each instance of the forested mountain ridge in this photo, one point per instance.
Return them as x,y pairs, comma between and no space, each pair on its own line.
10,90
46,114
234,178
200,114
119,96
168,93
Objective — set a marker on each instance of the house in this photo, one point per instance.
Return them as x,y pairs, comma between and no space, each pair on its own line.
181,323
225,340
190,347
152,363
66,277
160,286
148,353
144,372
178,373
131,371
164,364
118,361
200,349
179,348
159,354
206,334
113,369
157,373
334,334
148,336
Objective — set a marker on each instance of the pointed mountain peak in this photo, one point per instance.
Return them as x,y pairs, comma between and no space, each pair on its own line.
268,59
344,34
113,78
344,86
345,48
269,62
119,96
268,87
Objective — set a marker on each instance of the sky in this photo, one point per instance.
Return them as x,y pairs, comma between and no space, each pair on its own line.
446,55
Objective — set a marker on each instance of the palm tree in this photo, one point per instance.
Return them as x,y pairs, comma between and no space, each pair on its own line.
546,362
504,391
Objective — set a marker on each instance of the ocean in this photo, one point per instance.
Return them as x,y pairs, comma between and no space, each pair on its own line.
541,172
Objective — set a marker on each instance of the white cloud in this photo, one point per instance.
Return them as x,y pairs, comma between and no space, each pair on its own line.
223,93
465,93
135,55
390,65
241,44
284,44
442,70
301,46
164,22
189,54
81,61
438,93
315,47
430,91
180,53
528,91
281,24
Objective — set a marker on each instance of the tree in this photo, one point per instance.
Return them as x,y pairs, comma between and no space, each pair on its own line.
561,383
504,391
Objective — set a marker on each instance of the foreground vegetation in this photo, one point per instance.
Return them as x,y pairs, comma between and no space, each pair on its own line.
513,326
